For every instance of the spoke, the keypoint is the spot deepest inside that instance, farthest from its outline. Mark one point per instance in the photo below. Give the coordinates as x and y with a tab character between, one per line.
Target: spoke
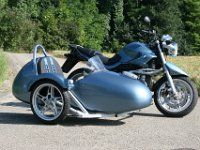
163	102
51	91
55	110
58	101
41	97
43	110
179	106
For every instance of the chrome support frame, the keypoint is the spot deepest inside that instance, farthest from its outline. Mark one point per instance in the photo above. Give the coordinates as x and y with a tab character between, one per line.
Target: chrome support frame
169	78
77	102
35	55
83	113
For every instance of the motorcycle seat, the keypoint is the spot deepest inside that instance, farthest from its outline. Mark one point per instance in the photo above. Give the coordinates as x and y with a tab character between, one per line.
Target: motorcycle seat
91	53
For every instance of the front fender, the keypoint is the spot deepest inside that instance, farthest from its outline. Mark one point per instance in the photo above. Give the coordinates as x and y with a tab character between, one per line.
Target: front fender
58	78
174	70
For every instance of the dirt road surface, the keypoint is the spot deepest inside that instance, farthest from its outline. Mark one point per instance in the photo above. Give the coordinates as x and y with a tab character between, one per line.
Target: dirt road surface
145	129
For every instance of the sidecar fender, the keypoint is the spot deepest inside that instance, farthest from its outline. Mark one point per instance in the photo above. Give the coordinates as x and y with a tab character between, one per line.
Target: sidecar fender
24	83
174	70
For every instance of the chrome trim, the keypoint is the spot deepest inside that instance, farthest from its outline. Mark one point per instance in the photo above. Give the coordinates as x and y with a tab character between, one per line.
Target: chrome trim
35	55
75	99
147	71
165	69
166	37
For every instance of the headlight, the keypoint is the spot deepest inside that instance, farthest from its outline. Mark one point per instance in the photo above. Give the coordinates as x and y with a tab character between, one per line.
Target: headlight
167	43
166	38
172	49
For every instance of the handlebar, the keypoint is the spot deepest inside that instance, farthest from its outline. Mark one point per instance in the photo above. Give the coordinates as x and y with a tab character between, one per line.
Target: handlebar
152	36
153	32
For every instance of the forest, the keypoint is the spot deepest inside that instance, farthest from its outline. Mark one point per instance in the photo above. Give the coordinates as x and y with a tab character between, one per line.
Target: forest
105	25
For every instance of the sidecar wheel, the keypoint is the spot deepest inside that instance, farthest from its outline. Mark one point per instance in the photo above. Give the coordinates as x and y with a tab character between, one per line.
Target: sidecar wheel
180	105
48	102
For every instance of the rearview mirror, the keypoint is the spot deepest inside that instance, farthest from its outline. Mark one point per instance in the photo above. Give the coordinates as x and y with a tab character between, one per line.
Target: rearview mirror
147	19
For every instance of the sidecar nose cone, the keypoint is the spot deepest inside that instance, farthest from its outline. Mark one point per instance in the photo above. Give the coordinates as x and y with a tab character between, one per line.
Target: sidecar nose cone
112	93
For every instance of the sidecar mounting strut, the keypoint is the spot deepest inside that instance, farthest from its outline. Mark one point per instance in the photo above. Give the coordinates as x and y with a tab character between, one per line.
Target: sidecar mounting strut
83	113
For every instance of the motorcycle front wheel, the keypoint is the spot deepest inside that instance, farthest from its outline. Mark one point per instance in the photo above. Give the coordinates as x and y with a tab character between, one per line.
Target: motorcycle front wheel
177	105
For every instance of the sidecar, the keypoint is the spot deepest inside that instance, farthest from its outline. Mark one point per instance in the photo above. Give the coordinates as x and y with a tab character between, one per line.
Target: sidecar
52	97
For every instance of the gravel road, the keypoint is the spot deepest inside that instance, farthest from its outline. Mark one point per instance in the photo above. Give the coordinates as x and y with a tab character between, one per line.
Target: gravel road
145	129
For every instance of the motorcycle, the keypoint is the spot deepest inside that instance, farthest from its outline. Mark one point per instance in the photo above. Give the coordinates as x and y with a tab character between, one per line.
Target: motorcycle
101	93
175	95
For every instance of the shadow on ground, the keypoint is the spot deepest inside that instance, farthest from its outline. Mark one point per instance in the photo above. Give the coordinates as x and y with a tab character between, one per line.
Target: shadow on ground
29	119
18	118
92	121
15	104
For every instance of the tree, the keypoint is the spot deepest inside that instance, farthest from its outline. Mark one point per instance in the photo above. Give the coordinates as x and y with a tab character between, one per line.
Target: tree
17	30
113	9
73	22
165	18
191	20
98	24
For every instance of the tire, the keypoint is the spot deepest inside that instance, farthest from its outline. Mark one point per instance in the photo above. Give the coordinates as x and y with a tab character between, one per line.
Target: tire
40	98
79	73
188	103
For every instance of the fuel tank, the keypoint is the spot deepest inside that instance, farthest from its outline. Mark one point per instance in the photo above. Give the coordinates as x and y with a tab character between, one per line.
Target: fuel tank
136	53
110	92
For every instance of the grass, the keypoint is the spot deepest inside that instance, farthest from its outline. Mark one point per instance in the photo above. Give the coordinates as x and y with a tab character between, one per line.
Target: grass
59	53
3	67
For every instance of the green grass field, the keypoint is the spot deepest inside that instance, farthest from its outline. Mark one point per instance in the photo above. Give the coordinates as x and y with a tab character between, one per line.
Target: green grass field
3	67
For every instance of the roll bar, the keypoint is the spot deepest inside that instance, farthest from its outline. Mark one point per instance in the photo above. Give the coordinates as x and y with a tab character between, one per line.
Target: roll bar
35	55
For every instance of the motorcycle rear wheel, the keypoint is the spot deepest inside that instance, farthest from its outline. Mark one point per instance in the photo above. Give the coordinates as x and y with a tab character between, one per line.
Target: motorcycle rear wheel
175	106
79	74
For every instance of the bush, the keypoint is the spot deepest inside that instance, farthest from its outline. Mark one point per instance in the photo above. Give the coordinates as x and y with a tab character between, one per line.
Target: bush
17	31
3	67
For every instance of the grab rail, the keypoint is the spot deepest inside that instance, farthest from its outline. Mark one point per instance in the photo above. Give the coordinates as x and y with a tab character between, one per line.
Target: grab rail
35	55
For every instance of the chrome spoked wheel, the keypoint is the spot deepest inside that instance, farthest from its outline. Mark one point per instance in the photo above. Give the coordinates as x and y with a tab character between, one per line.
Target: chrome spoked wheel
176	105
47	102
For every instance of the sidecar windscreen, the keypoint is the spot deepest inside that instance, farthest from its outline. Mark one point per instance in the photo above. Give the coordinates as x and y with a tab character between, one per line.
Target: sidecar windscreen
96	64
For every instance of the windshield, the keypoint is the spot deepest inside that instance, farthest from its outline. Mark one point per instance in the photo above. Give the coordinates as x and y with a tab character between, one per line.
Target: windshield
96	64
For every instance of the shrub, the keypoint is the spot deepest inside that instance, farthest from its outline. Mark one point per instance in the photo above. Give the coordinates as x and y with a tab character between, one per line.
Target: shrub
3	67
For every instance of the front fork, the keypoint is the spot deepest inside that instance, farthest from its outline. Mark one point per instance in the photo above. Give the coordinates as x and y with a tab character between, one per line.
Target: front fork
169	78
